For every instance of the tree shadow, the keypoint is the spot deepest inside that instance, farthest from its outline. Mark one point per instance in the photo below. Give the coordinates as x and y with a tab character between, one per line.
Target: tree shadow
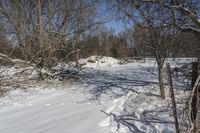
116	84
119	83
147	119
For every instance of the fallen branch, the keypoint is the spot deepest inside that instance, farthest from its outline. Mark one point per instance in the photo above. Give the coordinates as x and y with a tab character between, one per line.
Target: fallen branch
17	62
124	121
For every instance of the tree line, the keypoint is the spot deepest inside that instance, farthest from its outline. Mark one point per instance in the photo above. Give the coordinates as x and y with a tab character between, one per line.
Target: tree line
29	26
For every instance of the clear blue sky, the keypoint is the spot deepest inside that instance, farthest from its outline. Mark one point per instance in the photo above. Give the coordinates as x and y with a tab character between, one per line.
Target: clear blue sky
116	25
108	14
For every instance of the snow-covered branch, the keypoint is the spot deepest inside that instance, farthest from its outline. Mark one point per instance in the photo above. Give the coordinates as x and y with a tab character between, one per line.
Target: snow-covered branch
190	28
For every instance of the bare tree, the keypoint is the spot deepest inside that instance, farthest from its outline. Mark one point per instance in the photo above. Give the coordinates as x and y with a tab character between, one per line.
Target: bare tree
39	25
153	30
185	13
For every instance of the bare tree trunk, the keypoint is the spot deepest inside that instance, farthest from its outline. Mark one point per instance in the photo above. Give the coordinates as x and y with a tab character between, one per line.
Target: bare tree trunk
78	31
194	98
49	15
193	103
161	85
194	73
40	25
77	58
173	98
79	22
49	22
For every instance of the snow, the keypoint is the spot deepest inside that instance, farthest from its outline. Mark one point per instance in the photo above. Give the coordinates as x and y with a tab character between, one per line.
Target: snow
59	111
148	112
105	122
110	93
99	61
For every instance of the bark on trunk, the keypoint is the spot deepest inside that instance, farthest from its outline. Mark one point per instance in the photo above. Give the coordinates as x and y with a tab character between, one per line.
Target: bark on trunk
77	59
194	97
40	36
161	85
173	99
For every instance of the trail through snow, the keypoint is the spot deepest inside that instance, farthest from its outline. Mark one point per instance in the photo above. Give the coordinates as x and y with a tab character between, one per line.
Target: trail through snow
63	111
74	109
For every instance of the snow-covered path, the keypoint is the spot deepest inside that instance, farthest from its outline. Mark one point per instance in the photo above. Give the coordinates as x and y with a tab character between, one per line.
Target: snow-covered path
64	111
72	110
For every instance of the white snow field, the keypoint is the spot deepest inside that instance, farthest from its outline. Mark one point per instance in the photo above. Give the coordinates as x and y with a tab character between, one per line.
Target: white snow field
60	111
91	105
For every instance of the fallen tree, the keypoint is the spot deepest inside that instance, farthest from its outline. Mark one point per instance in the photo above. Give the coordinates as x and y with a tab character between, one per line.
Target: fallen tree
42	63
14	62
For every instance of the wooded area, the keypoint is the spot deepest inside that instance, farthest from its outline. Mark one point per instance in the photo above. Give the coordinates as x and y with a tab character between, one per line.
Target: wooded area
44	33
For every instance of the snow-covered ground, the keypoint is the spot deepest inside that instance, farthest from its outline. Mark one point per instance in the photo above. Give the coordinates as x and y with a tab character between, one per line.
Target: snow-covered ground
63	111
102	103
98	61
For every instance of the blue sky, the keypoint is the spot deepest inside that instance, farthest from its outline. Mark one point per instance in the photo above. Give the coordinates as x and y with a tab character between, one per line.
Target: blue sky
116	25
107	14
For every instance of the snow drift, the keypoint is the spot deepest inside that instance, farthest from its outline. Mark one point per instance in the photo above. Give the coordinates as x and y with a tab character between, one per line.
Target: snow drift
98	61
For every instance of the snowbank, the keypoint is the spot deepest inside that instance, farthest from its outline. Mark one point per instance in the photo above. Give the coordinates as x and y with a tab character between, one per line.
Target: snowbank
98	61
